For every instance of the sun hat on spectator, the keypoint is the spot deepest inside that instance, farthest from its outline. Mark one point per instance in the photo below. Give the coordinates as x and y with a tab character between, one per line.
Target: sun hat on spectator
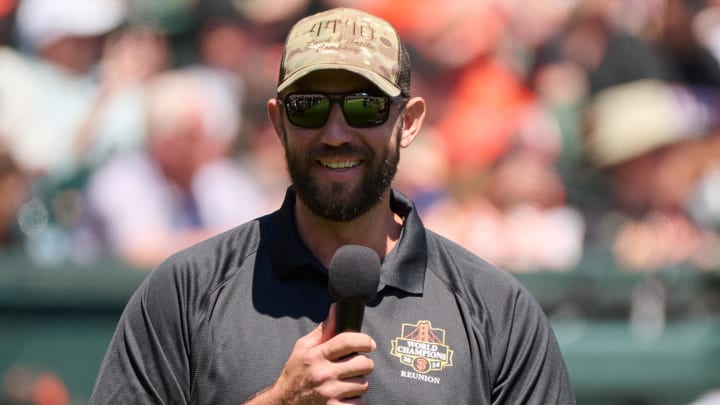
40	22
629	120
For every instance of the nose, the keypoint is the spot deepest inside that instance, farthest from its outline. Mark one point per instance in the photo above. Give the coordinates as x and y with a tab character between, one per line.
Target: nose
336	131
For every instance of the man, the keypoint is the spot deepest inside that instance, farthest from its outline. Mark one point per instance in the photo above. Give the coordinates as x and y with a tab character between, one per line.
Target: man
188	177
239	317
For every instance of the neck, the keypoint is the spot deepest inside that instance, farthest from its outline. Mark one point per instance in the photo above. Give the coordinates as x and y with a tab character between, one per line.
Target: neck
378	229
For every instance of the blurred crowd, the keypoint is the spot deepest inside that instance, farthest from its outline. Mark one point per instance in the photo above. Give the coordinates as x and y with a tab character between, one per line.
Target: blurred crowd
131	129
557	130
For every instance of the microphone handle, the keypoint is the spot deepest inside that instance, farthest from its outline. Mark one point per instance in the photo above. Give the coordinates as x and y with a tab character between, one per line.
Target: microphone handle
349	316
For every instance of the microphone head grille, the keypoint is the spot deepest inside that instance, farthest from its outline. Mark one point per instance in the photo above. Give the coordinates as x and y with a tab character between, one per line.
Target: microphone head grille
354	274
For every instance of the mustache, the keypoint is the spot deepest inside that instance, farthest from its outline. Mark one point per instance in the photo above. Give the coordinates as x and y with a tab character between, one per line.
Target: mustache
326	151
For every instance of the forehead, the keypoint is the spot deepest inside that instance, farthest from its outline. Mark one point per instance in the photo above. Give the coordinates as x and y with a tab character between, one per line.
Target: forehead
332	81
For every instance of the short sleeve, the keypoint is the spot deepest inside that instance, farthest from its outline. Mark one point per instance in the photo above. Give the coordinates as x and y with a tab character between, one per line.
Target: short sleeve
147	361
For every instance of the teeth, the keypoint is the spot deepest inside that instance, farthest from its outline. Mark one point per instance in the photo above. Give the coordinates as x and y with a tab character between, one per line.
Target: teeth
340	165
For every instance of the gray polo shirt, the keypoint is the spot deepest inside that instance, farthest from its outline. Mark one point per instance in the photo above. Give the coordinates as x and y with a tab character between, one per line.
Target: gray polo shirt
214	324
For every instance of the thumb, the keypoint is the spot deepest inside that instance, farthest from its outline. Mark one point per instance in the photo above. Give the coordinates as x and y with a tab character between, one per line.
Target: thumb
322	333
328	325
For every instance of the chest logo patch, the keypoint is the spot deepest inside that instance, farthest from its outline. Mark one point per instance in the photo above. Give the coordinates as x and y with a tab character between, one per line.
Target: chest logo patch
422	347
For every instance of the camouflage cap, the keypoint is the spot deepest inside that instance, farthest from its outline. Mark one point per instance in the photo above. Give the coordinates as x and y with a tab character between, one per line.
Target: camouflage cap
348	39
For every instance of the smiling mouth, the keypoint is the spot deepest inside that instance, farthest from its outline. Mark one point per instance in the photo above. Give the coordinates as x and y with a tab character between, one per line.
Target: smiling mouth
341	165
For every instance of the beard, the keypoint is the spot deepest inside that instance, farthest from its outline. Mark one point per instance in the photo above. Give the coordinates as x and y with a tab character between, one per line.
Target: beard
342	202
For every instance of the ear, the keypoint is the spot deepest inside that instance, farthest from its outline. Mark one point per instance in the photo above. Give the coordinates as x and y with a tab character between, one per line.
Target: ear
274	112
413	117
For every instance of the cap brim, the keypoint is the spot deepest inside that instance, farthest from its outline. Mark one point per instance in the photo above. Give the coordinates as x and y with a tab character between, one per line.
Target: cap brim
383	84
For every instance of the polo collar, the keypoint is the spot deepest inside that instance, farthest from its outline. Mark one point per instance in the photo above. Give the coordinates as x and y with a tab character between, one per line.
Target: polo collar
289	252
403	268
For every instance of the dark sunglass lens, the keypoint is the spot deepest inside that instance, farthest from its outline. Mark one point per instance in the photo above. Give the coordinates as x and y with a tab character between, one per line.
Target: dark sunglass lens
307	110
363	110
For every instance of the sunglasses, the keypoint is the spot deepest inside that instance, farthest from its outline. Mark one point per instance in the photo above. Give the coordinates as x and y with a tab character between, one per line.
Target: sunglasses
360	109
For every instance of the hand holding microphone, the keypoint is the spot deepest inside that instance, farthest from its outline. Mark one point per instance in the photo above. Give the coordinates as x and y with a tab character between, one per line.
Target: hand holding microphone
322	366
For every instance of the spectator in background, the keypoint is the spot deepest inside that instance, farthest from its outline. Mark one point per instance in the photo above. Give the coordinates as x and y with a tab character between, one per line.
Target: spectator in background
514	211
639	84
244	39
648	129
131	56
52	79
661	175
72	95
226	44
242	43
185	185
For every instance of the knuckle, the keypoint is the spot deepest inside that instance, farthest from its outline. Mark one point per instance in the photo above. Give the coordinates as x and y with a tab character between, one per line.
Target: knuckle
319	376
370	364
364	362
344	339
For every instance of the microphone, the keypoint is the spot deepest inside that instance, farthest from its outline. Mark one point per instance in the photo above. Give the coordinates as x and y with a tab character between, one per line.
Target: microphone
353	280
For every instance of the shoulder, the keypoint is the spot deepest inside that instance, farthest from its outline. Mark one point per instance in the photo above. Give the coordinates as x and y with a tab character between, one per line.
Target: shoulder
450	260
217	258
482	285
191	277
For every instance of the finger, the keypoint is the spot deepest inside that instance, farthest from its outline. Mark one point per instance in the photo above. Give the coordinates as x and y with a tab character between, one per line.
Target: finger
322	333
353	366
355	387
312	339
329	323
347	343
